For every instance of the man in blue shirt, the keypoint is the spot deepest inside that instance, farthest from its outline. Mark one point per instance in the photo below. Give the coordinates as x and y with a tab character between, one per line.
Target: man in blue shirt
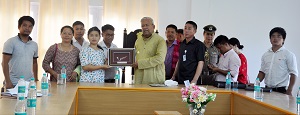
172	50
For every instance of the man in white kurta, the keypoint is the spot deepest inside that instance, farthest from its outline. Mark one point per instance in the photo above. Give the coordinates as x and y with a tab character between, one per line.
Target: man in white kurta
151	51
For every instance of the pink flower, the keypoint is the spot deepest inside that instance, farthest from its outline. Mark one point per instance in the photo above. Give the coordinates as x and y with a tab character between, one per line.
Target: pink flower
195	87
184	91
195	93
191	100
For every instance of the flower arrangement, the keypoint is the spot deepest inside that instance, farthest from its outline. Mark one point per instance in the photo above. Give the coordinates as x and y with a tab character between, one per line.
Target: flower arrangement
197	97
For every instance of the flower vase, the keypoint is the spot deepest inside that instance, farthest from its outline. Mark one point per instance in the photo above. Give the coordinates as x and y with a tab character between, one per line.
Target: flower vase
199	111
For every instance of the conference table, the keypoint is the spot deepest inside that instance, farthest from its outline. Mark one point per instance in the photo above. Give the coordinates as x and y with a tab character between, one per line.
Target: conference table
108	98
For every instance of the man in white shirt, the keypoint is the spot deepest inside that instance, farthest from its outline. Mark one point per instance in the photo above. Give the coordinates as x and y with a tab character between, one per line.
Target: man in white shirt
278	65
229	61
108	36
78	40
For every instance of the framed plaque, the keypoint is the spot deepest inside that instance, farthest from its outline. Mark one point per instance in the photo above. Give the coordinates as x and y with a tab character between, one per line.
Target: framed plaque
121	56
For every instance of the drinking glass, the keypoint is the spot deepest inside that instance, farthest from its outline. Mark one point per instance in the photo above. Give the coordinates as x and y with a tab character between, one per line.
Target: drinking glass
60	79
235	85
260	95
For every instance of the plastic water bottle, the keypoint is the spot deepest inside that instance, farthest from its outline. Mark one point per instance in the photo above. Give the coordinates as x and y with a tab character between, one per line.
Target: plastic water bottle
44	85
257	91
32	83
20	108
228	81
117	76
31	100
21	88
63	74
298	102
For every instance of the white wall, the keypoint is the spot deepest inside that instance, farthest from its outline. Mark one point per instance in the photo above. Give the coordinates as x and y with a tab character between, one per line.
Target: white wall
248	20
175	12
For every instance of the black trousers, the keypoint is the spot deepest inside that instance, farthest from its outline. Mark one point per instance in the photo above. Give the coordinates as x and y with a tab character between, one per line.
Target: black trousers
168	77
278	89
206	79
109	80
220	84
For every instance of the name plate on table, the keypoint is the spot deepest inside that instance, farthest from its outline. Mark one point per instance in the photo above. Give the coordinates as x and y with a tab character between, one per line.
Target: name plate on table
121	56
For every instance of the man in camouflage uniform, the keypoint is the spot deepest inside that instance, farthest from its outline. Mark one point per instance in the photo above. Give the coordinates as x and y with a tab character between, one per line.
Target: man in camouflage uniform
211	56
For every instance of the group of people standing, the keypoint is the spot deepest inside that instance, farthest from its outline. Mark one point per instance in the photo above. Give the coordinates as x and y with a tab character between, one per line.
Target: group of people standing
85	61
208	62
186	58
180	57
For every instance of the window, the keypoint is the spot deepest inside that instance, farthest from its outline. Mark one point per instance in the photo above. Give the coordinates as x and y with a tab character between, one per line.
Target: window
34	8
95	16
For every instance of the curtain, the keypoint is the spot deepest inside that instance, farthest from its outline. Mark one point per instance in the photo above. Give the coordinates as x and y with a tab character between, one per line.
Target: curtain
127	14
10	12
53	15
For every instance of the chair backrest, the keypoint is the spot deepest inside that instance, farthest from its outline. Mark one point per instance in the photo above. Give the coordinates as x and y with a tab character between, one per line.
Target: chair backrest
128	42
129	39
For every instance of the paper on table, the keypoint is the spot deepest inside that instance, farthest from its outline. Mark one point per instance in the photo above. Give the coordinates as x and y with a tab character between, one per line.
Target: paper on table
157	85
14	91
171	83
